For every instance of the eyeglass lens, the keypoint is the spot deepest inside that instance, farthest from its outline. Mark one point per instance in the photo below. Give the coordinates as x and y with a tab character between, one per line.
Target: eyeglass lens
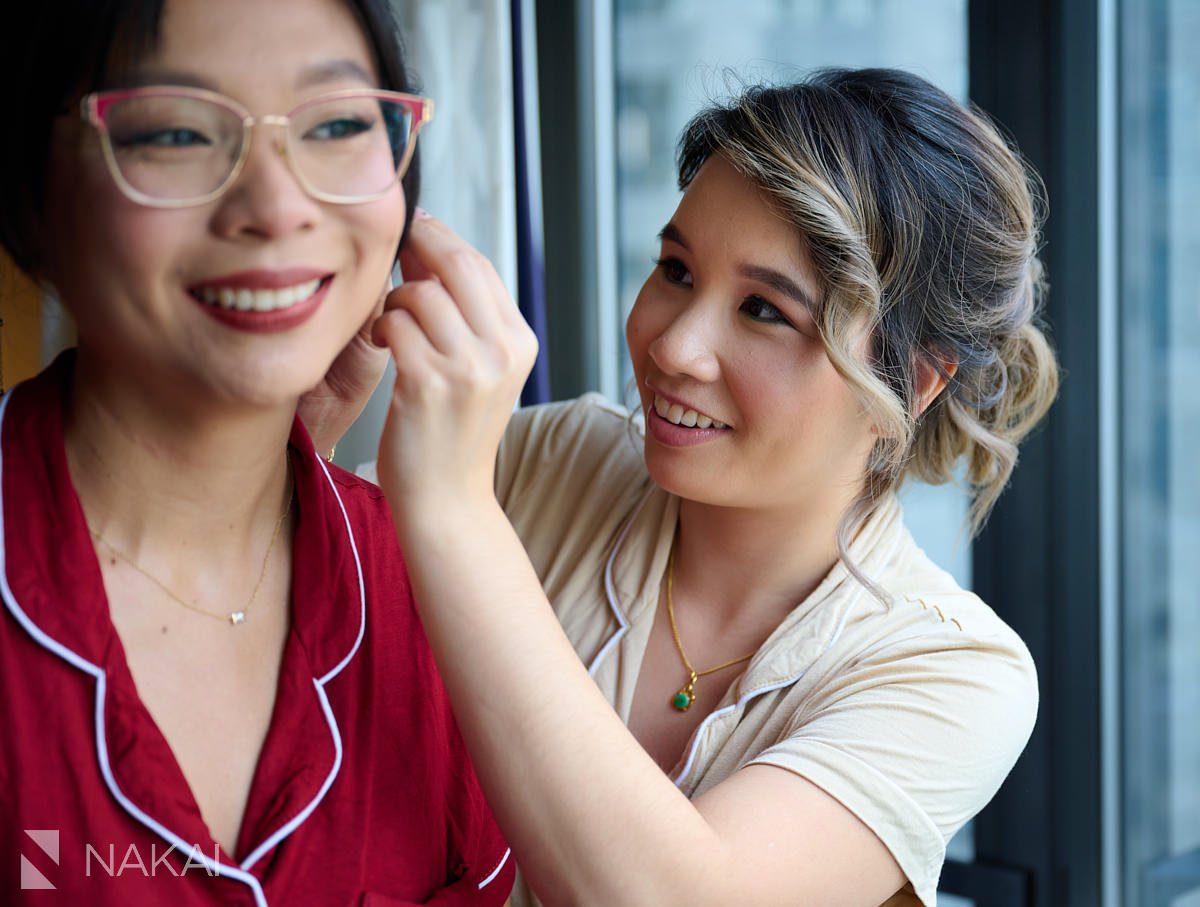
178	147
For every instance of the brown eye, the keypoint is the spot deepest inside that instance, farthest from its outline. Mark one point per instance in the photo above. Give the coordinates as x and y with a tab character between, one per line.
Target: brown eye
761	310
674	271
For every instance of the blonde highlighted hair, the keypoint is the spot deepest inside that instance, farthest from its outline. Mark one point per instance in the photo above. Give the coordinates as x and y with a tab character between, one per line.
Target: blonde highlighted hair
923	224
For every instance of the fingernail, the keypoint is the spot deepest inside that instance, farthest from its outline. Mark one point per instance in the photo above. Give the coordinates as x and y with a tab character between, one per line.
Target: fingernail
420	213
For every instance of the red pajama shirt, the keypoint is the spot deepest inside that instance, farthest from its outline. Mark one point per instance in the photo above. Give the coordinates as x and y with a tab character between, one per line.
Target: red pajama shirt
363	793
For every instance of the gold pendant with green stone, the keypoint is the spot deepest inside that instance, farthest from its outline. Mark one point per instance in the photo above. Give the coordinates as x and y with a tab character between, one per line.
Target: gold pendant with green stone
682	700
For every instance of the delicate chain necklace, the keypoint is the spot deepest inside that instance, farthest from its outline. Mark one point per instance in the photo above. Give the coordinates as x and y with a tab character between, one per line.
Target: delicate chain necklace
233	617
682	700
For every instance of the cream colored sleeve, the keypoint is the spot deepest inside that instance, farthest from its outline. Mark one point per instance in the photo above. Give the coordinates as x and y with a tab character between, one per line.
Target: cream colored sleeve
548	450
564	473
916	738
522	448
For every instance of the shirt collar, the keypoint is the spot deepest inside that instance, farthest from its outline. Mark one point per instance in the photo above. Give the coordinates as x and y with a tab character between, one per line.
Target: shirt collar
52	571
639	560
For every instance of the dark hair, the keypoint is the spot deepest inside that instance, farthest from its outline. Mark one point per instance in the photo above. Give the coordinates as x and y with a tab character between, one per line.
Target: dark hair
52	52
923	223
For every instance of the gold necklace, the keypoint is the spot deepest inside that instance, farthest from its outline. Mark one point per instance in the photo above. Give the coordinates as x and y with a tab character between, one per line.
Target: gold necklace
233	617
682	700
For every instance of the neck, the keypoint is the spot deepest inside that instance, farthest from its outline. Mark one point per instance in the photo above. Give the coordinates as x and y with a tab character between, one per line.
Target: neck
754	565
151	465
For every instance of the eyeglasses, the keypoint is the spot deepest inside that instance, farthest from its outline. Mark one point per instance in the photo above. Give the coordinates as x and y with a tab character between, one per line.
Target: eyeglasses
176	147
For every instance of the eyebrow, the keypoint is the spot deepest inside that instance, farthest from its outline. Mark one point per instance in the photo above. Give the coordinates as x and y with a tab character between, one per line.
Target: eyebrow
780	283
777	280
317	74
673	234
152	76
332	71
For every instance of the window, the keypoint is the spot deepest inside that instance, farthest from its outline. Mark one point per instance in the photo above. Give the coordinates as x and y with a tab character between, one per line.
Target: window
1158	321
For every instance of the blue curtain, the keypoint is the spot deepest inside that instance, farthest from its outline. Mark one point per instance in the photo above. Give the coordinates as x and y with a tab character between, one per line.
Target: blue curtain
531	283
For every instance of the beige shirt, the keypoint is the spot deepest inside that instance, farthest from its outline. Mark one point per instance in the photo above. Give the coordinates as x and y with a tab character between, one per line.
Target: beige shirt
910	715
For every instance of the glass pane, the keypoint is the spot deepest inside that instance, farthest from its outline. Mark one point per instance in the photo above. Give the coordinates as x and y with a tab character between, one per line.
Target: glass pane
1159	331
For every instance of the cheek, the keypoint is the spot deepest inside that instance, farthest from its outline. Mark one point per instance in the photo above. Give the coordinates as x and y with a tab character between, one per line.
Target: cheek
801	402
374	230
376	227
645	322
105	246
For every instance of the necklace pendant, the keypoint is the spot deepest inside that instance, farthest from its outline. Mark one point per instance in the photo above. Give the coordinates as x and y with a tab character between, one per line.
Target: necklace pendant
237	617
682	701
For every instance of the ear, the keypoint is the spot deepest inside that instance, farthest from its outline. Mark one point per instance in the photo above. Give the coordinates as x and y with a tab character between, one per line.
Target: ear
934	370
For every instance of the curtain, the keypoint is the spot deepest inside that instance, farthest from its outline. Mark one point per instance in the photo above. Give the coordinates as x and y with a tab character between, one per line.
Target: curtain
473	160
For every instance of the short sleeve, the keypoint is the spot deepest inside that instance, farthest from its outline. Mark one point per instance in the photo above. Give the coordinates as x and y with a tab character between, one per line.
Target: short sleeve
546	445
916	738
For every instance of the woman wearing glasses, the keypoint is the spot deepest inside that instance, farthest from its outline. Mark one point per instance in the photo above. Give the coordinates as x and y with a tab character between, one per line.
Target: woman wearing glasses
215	687
743	683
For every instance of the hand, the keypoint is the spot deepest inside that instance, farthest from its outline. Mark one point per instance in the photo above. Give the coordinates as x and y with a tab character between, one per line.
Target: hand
330	408
462	354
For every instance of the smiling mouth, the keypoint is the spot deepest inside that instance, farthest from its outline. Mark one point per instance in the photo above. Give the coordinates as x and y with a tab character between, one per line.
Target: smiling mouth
259	299
679	415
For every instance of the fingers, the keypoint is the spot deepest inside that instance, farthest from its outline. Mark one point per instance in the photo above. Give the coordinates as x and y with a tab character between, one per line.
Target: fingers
411	350
435	312
433	250
412	268
453	313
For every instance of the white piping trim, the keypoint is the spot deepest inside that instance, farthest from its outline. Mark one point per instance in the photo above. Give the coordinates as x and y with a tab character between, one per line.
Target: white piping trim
216	868
319	684
495	872
733	707
297	820
77	661
362	593
610	590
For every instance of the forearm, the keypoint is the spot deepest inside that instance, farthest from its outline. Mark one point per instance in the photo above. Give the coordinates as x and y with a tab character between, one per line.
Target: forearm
591	818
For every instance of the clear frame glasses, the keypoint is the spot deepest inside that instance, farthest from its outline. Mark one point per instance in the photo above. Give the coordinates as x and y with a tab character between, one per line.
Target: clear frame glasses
176	147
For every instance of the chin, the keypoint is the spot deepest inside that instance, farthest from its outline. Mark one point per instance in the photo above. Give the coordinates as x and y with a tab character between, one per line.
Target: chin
687	481
267	386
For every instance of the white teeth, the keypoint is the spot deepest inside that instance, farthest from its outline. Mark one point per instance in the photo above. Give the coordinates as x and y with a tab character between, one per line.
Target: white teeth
260	300
688	418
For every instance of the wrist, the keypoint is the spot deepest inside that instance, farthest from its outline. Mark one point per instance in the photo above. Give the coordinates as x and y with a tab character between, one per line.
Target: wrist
434	511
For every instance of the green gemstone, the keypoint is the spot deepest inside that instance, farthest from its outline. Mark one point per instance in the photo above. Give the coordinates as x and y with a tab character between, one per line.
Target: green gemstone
682	701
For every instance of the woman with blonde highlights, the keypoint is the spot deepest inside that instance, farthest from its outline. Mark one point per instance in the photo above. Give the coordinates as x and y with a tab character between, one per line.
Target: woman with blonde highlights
713	667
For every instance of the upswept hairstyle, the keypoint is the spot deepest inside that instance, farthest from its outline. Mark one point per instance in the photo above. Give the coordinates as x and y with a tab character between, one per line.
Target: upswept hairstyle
923	224
52	52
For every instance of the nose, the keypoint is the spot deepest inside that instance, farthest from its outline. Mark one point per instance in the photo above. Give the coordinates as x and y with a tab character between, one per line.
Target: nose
266	200
687	345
